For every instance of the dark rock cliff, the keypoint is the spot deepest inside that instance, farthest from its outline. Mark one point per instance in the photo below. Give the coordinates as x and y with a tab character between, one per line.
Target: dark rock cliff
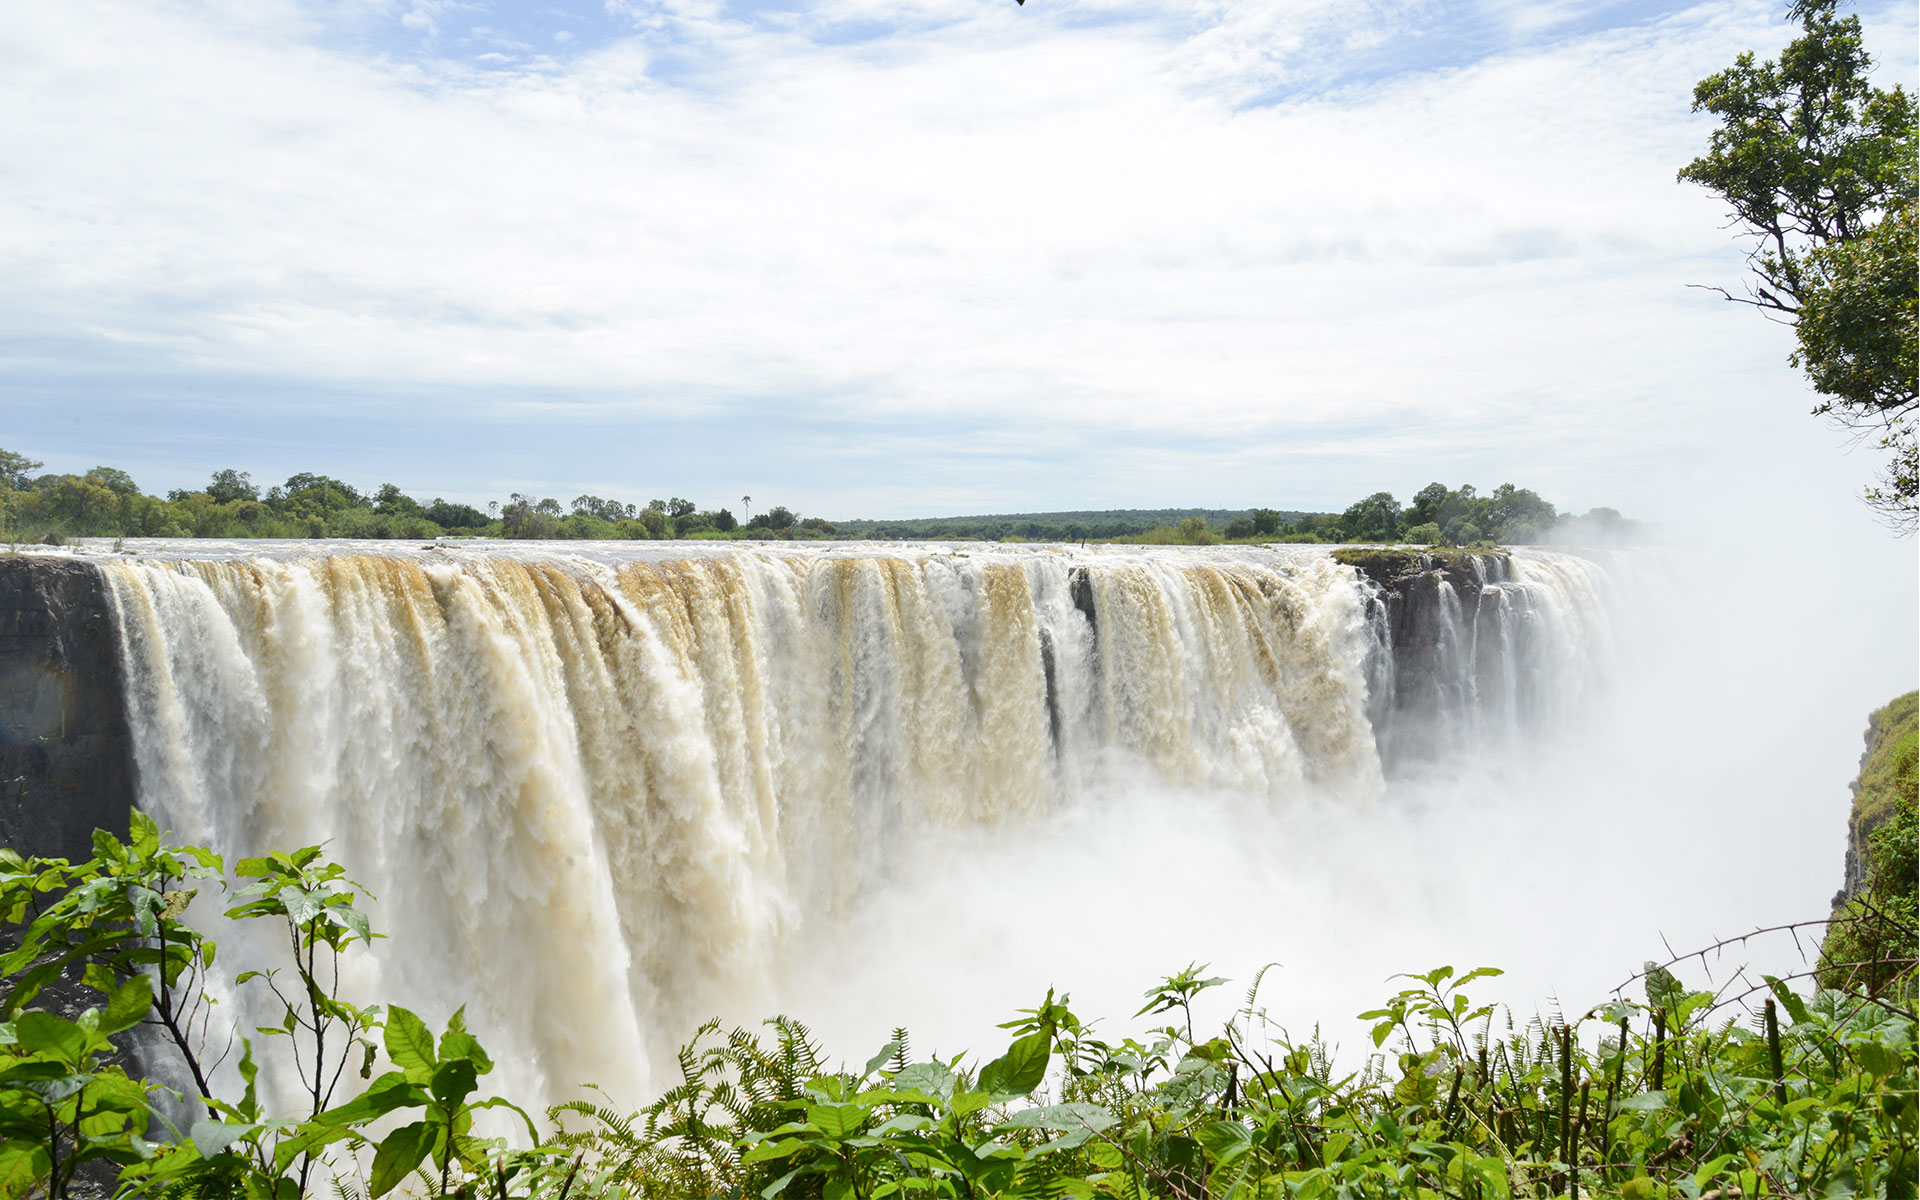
1428	619
66	757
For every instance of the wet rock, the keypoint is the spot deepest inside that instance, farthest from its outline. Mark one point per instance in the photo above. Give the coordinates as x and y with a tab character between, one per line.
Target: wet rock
66	756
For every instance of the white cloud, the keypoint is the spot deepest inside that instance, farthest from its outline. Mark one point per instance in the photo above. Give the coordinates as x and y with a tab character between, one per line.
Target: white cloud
1042	217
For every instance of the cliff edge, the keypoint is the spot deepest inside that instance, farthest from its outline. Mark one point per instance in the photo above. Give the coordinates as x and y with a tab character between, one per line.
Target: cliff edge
66	756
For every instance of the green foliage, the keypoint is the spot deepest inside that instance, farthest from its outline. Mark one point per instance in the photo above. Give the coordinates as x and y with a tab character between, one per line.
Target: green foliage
1876	925
117	926
1817	166
778	517
105	503
16	469
1684	1107
1374	519
1662	1100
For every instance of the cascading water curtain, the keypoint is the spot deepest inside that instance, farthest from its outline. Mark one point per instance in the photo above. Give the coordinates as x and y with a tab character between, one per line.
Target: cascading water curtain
594	798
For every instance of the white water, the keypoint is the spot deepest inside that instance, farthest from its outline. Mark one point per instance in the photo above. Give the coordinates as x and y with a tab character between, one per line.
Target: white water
603	796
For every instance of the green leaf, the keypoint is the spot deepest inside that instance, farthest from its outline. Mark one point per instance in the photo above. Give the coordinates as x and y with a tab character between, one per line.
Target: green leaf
310	1138
398	1155
1020	1069
1876	1059
932	1078
44	1033
302	904
352	920
453	1082
784	1148
1709	1169
213	1137
1225	1140
837	1121
1795	1006
389	1092
1064	1117
128	1005
456	1042
1334	1147
409	1045
881	1059
22	1167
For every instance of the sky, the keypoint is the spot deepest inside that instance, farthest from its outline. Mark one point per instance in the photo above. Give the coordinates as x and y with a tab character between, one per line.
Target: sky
895	259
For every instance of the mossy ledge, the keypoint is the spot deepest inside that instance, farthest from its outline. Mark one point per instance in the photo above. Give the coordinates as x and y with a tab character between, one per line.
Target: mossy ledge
1381	561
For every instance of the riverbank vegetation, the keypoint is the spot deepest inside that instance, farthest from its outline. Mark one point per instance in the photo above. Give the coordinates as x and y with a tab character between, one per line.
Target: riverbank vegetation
106	502
1756	1088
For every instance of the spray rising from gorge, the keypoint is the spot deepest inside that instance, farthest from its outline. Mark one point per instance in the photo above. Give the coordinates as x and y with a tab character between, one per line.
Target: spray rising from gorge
600	797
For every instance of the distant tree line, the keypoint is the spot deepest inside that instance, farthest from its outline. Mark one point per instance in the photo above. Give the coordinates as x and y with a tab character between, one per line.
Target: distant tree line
106	502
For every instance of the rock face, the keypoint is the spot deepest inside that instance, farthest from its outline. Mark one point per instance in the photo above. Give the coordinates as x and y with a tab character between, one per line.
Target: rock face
1886	780
66	757
1433	624
1429	596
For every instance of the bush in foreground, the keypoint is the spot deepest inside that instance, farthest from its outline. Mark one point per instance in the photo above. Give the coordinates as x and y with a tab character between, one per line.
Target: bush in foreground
1690	1094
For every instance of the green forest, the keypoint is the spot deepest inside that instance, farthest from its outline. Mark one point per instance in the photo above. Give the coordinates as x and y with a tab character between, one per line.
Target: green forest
106	502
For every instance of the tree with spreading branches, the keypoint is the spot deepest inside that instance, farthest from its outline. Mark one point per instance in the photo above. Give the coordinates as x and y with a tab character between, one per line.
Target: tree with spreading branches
1817	166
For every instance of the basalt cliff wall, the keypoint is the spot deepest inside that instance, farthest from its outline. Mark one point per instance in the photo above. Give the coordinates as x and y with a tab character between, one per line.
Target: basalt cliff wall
66	756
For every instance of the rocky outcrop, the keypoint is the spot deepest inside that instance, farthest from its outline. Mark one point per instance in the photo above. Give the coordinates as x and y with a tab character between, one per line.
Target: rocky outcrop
1429	622
66	756
1429	596
1886	782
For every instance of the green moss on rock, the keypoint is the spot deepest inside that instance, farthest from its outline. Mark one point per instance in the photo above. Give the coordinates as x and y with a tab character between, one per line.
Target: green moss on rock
1396	560
1873	945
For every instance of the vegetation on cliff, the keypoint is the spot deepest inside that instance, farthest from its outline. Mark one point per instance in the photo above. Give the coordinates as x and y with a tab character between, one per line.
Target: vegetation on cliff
1399	560
1750	1091
1872	943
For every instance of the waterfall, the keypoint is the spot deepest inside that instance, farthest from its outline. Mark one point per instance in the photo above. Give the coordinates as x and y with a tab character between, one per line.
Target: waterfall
597	793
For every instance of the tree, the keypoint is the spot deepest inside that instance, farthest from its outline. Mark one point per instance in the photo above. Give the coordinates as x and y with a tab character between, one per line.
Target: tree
654	521
1266	522
724	521
677	507
1817	166
1426	504
449	515
230	485
1518	514
308	494
114	480
1378	516
16	469
393	502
